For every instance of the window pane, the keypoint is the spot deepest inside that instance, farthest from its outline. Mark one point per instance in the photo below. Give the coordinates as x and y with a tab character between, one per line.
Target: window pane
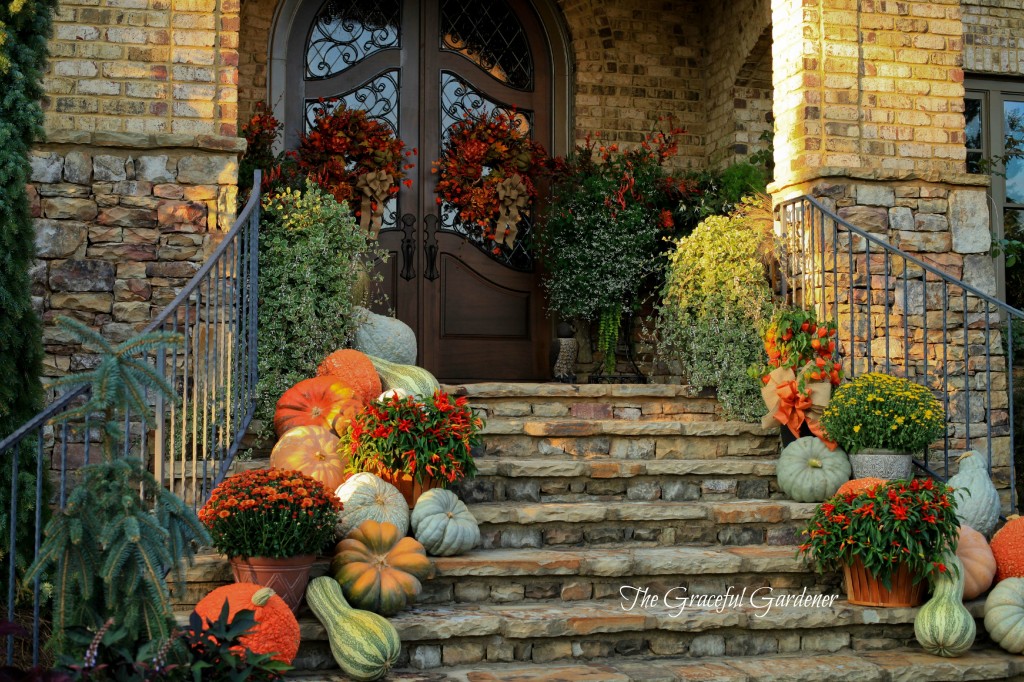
347	31
974	162
1013	132
489	35
973	130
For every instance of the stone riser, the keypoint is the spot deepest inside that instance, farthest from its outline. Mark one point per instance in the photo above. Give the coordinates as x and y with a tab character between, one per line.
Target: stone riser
635	447
640	533
427	655
678	410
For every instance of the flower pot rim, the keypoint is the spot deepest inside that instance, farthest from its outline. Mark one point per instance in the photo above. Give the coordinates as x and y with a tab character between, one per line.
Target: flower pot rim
881	451
311	557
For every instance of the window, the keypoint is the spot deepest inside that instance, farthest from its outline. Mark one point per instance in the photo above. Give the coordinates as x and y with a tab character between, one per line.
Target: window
994	118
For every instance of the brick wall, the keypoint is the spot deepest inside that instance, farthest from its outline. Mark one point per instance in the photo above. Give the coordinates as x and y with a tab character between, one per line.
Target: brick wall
144	66
993	30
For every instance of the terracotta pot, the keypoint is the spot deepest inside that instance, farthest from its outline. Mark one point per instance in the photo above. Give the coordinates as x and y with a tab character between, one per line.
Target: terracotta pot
864	589
409	488
288	577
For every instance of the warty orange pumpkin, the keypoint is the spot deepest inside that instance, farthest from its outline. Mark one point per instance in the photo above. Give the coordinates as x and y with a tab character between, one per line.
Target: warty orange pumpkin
1008	548
353	369
276	631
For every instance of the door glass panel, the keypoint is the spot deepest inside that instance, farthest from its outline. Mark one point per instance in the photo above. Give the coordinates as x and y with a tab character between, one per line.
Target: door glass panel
973	133
1013	132
489	35
378	97
345	32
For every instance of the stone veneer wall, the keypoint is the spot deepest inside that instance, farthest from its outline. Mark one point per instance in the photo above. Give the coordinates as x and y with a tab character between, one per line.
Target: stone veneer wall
122	223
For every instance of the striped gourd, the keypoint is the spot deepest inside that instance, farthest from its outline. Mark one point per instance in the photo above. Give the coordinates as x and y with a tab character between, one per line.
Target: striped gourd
943	626
364	645
416	380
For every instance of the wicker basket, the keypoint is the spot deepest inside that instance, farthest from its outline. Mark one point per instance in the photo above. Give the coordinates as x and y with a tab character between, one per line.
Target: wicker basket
864	589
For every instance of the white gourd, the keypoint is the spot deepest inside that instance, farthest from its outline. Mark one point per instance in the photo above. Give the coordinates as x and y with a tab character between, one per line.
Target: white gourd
385	337
977	499
366	496
944	626
1004	615
808	471
443	524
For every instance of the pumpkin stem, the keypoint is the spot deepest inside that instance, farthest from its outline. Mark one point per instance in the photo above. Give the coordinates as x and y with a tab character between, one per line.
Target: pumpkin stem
969	453
814	463
262	596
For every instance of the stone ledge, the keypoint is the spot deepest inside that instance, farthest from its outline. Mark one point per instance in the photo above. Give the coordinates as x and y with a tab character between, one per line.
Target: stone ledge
738	511
213	143
830	172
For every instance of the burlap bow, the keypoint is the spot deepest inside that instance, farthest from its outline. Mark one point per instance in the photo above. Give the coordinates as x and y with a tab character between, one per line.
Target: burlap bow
791	407
514	197
375	187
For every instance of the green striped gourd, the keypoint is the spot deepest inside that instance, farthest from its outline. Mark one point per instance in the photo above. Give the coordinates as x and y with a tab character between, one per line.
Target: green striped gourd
416	380
364	645
944	626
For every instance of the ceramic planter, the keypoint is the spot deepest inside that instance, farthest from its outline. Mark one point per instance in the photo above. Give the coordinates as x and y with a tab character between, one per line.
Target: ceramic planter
288	577
880	463
410	488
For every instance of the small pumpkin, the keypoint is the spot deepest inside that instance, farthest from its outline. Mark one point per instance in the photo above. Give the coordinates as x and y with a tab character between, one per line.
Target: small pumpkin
320	401
443	523
276	631
313	450
365	645
367	496
353	369
378	569
943	626
979	563
1008	549
1004	615
860	485
808	471
977	500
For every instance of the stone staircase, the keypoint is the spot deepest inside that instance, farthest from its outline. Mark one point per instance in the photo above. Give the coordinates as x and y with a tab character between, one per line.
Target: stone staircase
595	500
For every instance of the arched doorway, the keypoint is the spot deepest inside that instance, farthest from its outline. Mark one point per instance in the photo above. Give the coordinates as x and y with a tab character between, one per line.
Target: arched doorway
420	66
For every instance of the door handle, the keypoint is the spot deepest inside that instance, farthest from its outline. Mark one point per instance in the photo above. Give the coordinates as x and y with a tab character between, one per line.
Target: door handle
430	247
408	247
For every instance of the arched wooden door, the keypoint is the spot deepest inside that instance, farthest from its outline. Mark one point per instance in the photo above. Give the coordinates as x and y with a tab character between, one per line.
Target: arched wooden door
420	66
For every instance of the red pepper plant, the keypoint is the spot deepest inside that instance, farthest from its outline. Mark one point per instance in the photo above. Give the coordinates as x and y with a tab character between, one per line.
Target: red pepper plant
794	338
898	522
271	513
423	438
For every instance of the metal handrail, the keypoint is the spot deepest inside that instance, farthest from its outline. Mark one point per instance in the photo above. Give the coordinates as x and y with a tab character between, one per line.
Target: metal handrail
813	261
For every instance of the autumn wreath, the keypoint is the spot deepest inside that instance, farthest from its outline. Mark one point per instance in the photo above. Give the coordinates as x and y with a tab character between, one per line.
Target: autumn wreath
486	172
355	158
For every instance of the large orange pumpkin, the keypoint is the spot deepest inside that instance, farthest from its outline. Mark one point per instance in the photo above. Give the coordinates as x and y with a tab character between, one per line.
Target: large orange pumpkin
276	631
313	450
1008	548
979	564
379	570
353	369
859	485
321	401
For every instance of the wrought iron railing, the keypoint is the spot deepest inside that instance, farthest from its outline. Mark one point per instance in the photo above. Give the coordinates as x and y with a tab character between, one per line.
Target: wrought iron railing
188	444
901	315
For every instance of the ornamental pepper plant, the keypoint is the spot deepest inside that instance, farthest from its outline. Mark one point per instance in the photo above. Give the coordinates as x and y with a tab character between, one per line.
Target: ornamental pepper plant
797	340
898	522
270	513
428	439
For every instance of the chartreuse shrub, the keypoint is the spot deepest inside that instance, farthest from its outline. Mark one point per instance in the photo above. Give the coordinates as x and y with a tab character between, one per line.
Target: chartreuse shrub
311	254
716	297
24	29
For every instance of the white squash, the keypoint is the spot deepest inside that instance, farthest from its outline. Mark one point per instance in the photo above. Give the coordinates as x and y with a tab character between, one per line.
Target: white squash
443	524
977	500
1004	615
365	496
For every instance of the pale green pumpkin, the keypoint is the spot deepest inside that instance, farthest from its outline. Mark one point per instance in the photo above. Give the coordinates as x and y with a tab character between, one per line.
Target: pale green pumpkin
443	524
977	500
1004	615
366	496
808	471
415	380
944	626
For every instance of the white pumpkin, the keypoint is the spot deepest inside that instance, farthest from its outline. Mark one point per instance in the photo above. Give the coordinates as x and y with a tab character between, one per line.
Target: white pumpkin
808	471
443	524
399	393
977	500
1004	615
385	337
365	496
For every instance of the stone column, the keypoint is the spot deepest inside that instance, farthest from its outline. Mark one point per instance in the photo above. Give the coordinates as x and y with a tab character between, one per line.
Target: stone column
869	120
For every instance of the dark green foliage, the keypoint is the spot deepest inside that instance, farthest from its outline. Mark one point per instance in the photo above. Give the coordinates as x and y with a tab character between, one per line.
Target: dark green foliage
717	192
24	29
108	551
210	647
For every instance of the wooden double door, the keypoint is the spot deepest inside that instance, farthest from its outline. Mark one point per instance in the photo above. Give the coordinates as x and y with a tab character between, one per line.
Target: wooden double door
421	66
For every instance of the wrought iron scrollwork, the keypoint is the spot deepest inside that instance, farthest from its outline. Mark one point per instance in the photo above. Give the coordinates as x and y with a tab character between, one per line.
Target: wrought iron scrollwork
408	247
490	35
345	32
378	97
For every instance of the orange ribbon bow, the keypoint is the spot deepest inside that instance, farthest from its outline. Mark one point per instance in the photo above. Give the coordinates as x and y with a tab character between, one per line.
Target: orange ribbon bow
788	406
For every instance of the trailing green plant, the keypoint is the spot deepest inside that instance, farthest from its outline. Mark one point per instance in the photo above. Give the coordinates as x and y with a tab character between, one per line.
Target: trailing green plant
719	192
311	255
120	532
24	30
715	298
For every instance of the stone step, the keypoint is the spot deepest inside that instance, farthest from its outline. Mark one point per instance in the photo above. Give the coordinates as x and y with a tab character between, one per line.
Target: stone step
547	632
740	522
619	439
567	480
893	665
517	575
651	402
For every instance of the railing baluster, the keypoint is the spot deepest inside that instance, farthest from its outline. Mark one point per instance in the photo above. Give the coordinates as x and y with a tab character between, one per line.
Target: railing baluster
967	379
888	354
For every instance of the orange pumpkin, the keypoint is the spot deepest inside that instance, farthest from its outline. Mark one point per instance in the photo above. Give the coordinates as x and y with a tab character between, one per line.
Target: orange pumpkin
313	450
276	631
321	401
379	570
859	485
353	369
1008	548
978	561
